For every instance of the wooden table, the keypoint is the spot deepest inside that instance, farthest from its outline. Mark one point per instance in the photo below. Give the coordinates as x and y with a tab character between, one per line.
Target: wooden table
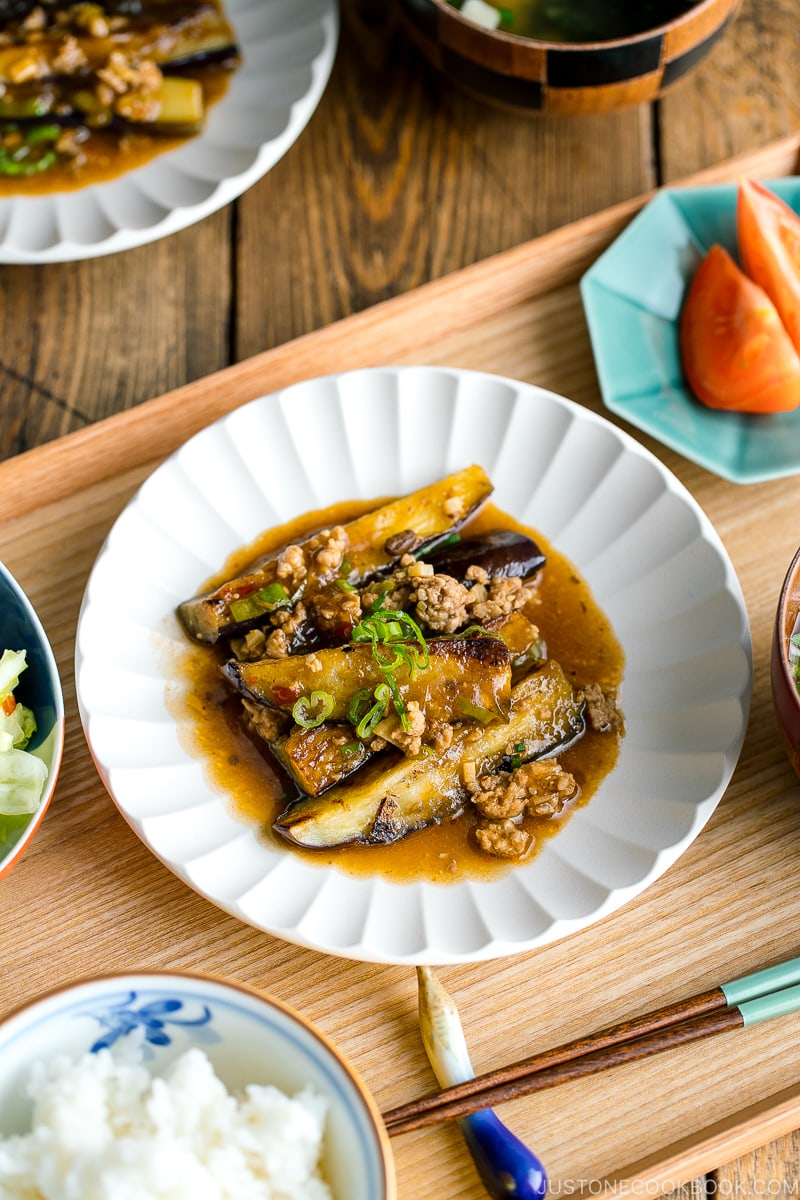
397	180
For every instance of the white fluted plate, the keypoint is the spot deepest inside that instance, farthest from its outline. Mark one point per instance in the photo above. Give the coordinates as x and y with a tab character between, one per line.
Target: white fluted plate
288	48
654	563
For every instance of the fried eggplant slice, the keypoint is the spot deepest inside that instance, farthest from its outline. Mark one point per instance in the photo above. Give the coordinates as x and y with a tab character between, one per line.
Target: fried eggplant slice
319	758
171	41
501	553
243	603
520	634
383	804
465	678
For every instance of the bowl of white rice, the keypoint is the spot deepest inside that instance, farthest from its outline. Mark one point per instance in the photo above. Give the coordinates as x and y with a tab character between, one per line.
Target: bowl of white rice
174	1086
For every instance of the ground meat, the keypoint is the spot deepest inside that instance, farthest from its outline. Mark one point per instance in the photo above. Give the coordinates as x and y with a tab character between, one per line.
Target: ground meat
440	735
503	839
601	709
276	645
321	557
287	622
541	789
498	598
408	740
250	647
396	595
291	566
441	602
330	554
476	574
332	609
268	723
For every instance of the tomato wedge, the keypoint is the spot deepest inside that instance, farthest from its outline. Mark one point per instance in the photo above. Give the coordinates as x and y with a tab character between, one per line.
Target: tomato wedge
769	247
735	350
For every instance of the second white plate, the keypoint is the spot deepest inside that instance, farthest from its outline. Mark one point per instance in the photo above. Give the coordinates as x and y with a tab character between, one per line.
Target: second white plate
288	48
650	555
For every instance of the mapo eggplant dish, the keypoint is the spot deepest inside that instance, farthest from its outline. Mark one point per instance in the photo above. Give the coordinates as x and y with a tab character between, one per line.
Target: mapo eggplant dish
88	90
397	670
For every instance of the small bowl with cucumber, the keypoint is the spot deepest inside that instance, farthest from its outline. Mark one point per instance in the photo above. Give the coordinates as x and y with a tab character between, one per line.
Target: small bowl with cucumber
31	721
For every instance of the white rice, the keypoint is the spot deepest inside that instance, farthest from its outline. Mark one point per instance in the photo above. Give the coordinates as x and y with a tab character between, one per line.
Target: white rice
105	1129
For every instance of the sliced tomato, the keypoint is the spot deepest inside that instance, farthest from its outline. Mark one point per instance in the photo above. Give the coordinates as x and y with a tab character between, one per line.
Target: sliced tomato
735	350
769	247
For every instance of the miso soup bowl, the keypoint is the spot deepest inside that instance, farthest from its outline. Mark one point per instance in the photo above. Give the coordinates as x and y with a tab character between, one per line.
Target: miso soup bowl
785	696
248	1036
564	79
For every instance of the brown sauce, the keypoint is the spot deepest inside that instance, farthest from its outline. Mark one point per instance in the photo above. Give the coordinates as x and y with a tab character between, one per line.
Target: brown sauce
578	636
107	154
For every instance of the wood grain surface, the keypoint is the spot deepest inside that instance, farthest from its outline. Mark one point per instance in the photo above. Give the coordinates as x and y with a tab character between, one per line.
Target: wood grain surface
398	180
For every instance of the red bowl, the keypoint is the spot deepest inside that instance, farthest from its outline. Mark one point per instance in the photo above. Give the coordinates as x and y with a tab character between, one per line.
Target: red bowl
785	695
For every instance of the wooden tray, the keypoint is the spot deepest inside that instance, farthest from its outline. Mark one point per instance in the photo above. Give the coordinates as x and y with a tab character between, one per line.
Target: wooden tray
88	896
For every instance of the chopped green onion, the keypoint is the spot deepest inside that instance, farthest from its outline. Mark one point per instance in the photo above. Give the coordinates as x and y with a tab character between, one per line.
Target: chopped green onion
478	631
351	749
41	133
344	586
367	724
519	747
359	705
387	628
311	711
257	604
35	153
484	715
397	699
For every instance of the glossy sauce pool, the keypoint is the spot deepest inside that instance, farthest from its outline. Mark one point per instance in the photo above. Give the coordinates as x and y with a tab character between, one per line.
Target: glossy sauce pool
577	634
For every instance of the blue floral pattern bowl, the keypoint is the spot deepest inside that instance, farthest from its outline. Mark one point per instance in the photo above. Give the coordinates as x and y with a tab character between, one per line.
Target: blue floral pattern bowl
40	689
250	1038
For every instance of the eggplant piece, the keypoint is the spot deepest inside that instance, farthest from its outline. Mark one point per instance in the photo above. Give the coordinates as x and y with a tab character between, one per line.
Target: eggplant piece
466	678
501	553
518	632
178	109
429	512
168	43
317	759
383	804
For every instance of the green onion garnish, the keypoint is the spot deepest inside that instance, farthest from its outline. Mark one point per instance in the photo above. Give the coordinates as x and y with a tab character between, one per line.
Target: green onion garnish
359	705
257	604
476	711
311	711
374	716
351	748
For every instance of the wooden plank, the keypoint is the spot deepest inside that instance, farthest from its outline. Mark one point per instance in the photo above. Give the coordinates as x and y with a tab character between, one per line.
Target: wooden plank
387	332
746	93
84	340
109	903
435	180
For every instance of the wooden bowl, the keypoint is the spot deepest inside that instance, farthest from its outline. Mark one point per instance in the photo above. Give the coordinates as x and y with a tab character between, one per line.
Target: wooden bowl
785	696
563	79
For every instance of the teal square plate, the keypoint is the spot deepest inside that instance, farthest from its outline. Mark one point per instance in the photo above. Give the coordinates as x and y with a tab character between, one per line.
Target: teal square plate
632	297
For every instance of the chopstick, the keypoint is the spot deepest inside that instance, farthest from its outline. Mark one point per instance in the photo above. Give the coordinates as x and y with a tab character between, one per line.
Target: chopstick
747	1000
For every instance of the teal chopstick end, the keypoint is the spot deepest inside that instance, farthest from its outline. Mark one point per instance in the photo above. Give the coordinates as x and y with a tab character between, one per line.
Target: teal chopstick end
748	987
776	1004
